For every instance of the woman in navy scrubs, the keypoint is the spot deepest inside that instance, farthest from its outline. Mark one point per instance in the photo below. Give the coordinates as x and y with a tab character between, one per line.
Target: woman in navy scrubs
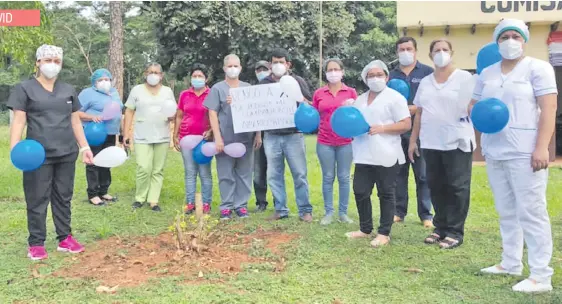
50	109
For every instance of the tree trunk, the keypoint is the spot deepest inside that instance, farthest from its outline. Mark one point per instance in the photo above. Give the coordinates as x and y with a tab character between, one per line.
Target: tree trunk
116	44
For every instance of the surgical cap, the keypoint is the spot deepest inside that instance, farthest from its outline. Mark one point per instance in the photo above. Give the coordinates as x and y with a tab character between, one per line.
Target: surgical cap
99	73
48	51
511	25
371	65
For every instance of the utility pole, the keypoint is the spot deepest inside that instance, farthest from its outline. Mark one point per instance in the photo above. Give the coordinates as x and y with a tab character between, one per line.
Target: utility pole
320	40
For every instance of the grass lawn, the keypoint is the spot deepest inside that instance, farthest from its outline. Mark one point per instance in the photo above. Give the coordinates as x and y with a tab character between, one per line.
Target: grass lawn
322	266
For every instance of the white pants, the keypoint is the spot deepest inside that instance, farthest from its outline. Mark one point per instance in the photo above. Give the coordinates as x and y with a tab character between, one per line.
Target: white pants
520	198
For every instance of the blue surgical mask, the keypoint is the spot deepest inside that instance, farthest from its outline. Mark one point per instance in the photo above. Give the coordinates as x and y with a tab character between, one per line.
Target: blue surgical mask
198	83
261	75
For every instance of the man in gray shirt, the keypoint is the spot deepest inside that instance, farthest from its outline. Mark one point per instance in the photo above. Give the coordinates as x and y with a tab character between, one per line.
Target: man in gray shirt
234	174
286	144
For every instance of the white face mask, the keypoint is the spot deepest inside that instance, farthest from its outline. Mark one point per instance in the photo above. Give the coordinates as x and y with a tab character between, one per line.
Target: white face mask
441	59
232	72
153	79
103	85
406	58
50	70
376	84
334	76
511	49
279	69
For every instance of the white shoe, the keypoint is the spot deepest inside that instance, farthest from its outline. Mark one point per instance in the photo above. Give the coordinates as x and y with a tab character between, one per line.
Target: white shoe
496	269
530	286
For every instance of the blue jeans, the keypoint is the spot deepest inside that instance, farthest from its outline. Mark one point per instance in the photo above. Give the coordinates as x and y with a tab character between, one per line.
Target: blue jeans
279	148
205	175
422	189
335	159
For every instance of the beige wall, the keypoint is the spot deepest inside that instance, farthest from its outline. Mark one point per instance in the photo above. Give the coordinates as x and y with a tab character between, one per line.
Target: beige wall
461	15
441	13
467	45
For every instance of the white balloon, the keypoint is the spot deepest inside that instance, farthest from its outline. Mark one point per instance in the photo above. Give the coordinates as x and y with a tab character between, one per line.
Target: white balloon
169	108
110	157
291	87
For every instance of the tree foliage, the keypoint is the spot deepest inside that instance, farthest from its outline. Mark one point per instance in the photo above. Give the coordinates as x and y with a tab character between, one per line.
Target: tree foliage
18	44
205	32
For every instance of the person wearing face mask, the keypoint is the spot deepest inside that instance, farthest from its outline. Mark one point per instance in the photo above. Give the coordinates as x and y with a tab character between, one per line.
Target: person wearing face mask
286	144
447	142
192	118
517	157
378	154
234	174
412	72
93	100
151	134
260	161
334	152
50	109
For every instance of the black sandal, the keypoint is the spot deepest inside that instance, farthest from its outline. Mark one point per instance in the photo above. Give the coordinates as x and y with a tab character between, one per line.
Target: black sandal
113	199
449	243
101	203
432	239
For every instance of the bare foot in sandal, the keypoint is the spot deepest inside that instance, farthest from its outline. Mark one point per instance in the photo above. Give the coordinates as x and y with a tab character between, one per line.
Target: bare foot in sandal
96	201
380	240
433	238
107	197
356	235
449	243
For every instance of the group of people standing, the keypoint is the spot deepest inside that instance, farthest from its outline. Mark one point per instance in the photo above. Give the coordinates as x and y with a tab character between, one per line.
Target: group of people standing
439	147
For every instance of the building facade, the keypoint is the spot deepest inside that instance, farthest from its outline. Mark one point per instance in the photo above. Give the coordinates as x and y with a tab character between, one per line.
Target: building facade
469	25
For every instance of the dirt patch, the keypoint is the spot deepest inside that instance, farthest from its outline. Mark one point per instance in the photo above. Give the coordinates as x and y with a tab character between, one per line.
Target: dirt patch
132	262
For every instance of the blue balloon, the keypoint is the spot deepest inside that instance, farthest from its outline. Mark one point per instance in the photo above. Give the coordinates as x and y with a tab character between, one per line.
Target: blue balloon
96	133
348	122
198	155
28	155
307	118
488	55
400	86
490	115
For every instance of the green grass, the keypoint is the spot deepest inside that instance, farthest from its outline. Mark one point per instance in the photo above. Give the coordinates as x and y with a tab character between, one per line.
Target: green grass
321	267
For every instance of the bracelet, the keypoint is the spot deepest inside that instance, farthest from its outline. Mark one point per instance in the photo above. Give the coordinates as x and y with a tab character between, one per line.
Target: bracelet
86	148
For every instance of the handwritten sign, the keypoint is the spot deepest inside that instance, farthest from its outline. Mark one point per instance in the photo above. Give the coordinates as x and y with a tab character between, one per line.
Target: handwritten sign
261	107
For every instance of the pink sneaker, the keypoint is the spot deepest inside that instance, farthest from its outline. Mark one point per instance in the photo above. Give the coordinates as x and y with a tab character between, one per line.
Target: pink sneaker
206	208
70	245
37	253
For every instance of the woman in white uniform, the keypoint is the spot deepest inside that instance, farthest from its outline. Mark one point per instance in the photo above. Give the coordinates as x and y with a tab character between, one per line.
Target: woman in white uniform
378	153
447	141
517	157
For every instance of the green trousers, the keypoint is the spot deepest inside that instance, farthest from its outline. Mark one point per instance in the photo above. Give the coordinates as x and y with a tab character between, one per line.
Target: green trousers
151	159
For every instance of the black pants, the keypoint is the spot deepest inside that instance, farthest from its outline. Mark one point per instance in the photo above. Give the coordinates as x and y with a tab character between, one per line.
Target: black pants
422	190
52	182
364	179
98	178
260	176
448	176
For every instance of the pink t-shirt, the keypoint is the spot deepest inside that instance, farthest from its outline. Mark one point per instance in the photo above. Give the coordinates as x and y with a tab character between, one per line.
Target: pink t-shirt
326	104
195	119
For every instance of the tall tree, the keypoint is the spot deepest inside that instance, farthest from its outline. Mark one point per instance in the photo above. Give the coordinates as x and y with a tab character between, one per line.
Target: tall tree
85	41
205	32
373	37
116	44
